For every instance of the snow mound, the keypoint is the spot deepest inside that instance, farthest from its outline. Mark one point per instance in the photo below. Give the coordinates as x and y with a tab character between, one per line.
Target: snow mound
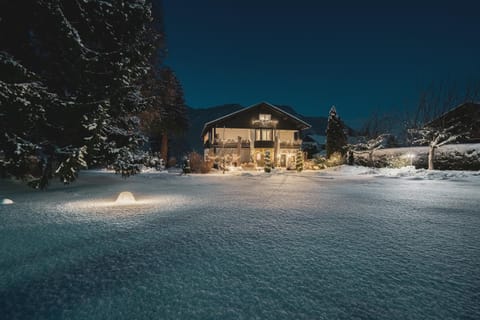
7	201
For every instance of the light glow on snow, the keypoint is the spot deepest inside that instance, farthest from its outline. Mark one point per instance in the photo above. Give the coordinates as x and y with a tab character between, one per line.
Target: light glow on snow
125	198
108	208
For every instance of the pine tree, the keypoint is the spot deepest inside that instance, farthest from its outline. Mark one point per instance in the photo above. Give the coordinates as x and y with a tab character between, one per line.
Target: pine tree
167	114
59	61
335	134
299	161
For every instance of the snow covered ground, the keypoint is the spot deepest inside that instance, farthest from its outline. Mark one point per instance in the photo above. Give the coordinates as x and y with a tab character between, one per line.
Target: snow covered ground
347	242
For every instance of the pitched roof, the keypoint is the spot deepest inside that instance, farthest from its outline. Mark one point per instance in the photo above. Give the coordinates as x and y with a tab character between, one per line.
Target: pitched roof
300	123
465	118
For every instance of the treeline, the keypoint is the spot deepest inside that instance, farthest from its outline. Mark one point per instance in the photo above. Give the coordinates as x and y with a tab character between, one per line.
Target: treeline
82	84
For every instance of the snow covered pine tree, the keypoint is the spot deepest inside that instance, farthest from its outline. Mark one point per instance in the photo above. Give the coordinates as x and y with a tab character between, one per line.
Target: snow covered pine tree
335	134
70	76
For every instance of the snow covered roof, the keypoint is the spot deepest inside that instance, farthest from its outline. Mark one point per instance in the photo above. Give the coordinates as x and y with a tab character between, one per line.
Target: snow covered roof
465	118
298	123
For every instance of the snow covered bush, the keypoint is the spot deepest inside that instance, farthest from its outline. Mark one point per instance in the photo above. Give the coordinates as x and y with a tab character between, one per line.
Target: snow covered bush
447	157
369	147
434	137
125	163
397	161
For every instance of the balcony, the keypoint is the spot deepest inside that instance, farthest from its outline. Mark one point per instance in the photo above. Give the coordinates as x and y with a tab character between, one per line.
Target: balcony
230	143
263	144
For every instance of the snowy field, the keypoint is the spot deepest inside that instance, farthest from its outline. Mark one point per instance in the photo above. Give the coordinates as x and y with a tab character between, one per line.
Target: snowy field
346	243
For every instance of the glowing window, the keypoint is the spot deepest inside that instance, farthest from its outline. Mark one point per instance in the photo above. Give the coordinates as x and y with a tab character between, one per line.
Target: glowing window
264	117
264	135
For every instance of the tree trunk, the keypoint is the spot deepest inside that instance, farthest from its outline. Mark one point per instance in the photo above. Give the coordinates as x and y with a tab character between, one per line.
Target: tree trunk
164	147
431	155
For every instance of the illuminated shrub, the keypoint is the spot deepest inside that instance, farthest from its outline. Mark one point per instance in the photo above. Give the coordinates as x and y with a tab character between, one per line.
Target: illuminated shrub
336	159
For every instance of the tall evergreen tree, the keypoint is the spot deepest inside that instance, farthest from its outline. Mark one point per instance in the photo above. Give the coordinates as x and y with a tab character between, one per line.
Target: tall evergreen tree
335	134
70	80
167	114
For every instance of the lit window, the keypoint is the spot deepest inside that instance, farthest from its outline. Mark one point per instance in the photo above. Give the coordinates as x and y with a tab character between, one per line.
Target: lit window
264	135
265	117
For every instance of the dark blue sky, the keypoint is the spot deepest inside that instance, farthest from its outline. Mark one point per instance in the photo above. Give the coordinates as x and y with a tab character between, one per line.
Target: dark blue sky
357	55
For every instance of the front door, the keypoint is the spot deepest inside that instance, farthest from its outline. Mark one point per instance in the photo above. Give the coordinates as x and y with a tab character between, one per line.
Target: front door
259	158
283	160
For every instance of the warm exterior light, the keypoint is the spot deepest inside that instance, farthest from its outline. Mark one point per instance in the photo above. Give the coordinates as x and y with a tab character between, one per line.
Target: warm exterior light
7	201
125	197
411	156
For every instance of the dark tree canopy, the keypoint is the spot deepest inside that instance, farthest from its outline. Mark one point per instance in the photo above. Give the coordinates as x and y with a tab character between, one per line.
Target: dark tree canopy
336	137
167	113
71	74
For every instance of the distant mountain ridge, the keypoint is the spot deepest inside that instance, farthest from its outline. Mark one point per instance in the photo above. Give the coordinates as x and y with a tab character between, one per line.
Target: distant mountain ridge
191	140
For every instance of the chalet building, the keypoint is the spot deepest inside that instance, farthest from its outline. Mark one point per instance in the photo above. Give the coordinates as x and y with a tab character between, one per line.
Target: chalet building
465	119
245	136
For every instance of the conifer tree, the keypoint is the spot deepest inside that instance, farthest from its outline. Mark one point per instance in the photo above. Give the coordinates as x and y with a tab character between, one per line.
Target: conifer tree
335	134
167	113
70	76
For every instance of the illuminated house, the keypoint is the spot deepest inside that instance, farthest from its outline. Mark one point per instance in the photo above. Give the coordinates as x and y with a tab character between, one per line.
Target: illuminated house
244	136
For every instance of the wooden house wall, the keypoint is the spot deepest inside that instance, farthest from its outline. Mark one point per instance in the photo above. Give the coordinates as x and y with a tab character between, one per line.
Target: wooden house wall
233	133
286	135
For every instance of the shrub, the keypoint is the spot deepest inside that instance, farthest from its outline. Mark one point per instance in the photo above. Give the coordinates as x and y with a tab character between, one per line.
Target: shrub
398	161
198	165
336	159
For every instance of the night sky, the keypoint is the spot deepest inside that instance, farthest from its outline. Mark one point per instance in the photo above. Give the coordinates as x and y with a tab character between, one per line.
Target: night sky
360	56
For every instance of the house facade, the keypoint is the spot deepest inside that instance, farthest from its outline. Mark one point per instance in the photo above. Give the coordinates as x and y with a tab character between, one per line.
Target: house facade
245	136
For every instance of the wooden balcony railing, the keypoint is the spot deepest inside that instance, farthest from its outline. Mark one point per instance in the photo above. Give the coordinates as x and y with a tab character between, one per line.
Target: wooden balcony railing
296	144
227	144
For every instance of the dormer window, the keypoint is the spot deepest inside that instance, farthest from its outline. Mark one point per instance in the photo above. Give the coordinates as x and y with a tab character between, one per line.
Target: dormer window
264	121
265	117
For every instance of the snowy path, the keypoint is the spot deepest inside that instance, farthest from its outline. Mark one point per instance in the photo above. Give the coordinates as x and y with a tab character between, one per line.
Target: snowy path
335	244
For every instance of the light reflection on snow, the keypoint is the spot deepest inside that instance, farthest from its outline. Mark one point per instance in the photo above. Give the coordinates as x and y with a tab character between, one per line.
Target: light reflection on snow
125	198
110	208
